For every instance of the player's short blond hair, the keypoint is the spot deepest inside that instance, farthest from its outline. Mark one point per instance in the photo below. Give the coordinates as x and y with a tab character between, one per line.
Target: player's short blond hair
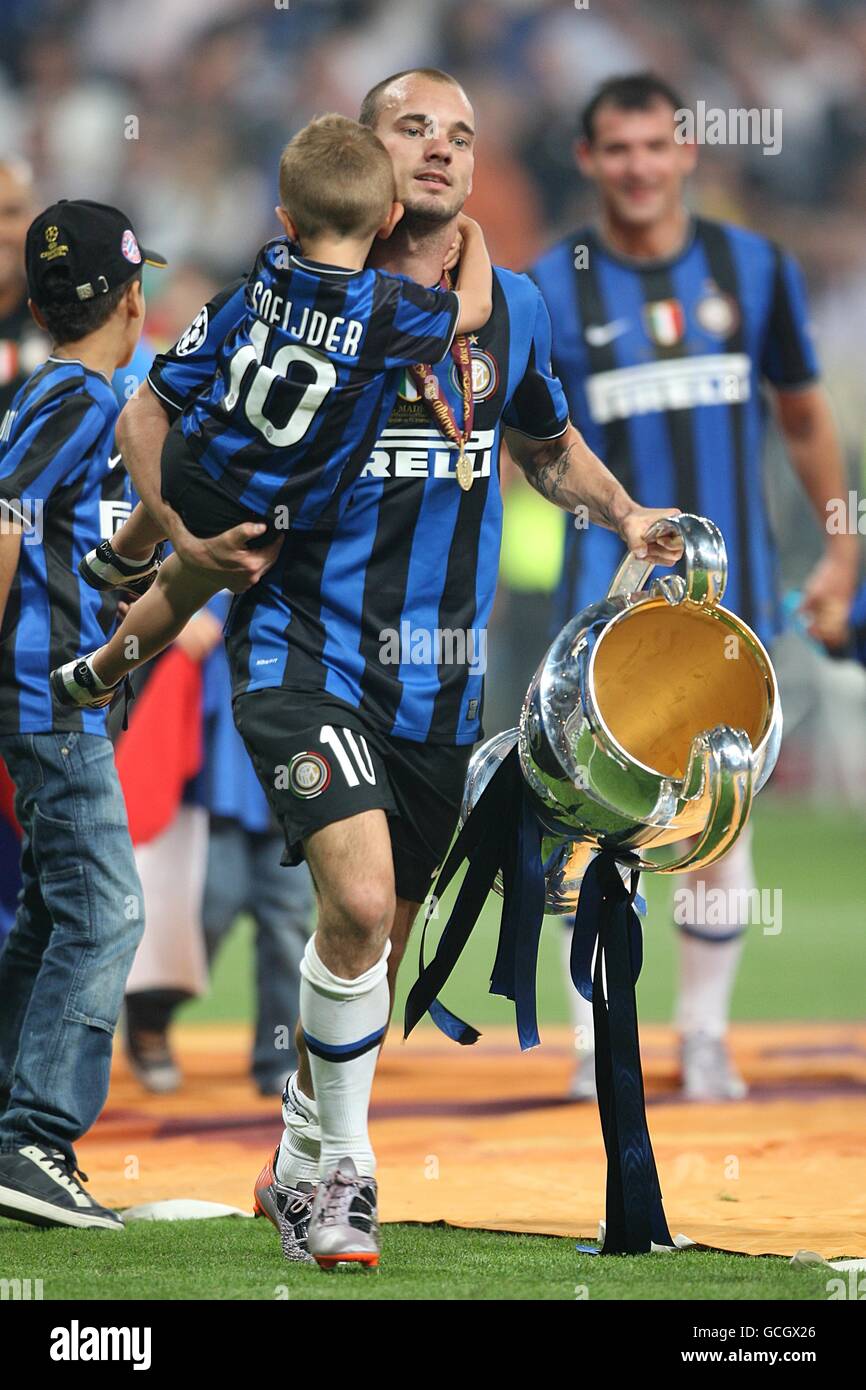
336	176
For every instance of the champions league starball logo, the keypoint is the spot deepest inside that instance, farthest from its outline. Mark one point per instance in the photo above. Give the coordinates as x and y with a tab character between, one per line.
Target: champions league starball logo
193	335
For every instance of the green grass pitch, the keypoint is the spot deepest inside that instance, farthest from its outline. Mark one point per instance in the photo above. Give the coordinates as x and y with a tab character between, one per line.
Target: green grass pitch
810	969
236	1259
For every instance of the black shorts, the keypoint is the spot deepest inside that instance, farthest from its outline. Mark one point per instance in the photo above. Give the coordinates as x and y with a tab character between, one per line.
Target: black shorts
319	761
202	505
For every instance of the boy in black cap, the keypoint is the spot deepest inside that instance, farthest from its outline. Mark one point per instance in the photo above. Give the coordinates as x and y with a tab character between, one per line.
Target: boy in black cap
79	919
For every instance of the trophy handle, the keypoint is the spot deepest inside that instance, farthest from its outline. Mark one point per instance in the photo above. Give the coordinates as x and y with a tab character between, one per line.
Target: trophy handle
706	563
721	759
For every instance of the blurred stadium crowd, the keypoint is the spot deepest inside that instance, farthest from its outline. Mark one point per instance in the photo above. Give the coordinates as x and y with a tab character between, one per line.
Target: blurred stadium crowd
221	84
184	131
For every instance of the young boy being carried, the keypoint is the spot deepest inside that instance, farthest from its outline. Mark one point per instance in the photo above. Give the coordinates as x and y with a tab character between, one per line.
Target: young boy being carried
303	388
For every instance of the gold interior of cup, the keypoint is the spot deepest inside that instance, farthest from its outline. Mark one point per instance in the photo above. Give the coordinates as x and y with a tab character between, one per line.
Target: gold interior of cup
664	674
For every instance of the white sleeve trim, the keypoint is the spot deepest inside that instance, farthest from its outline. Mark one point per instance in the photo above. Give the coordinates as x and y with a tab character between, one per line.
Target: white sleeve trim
156	391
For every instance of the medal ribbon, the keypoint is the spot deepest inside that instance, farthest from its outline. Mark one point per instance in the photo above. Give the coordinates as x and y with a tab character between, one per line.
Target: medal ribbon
427	384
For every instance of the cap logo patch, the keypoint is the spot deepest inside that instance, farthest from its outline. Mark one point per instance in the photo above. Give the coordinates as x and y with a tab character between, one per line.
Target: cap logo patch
53	245
129	247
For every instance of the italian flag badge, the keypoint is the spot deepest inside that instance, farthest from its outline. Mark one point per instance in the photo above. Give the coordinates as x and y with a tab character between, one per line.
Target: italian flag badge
665	321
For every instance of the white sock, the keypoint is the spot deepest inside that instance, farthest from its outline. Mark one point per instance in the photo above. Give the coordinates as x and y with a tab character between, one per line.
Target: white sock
708	970
344	1023
99	683
579	1008
300	1146
133	564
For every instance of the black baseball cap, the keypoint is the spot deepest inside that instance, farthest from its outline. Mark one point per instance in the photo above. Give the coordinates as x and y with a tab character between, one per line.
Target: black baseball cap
92	244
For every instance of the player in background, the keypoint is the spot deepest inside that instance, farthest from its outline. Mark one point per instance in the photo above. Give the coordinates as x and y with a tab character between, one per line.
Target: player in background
668	332
320	347
361	748
79	919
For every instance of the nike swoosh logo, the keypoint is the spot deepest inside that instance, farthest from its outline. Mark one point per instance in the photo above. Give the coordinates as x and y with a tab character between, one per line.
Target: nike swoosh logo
113	462
600	334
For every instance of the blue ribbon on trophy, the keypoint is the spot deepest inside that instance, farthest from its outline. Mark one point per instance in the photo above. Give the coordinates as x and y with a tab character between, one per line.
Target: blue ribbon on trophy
653	719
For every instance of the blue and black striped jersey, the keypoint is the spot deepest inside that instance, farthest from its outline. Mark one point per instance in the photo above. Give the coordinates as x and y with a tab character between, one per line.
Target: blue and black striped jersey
58	478
386	605
663	364
307	378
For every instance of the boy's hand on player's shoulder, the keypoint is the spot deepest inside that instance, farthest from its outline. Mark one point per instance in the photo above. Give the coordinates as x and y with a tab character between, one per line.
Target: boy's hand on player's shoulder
452	255
466	227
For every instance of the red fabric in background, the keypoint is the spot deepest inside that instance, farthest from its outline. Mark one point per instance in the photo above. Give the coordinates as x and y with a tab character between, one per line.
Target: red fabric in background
7	799
162	748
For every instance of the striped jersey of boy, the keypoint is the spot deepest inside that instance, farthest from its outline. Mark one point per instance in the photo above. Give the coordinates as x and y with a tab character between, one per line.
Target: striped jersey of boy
58	481
663	364
304	379
406	550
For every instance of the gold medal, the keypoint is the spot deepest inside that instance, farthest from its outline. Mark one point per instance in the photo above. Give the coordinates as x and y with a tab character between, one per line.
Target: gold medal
465	476
439	408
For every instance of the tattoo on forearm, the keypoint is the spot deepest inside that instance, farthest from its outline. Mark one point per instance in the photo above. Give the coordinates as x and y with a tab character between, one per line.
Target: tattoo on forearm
548	470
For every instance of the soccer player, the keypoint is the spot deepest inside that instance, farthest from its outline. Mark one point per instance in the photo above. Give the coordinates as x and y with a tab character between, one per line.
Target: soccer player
79	919
357	657
668	329
302	387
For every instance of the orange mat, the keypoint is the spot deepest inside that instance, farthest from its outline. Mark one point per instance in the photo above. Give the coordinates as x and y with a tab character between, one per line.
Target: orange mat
481	1137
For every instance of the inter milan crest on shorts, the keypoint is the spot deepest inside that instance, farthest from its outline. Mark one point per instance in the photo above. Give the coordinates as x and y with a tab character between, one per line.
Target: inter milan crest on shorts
309	774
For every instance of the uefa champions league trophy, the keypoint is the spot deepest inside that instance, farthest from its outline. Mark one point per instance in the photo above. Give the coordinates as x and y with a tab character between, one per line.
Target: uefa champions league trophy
653	720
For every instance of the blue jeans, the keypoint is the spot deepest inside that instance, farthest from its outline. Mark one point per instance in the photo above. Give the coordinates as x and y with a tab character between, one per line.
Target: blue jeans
80	918
244	875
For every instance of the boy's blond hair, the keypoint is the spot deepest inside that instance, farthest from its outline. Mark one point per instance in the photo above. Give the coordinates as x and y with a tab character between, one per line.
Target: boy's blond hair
336	176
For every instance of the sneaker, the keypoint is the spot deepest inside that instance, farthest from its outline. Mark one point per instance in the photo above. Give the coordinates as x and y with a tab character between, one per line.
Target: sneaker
582	1085
287	1208
40	1186
104	569
344	1224
707	1070
151	1059
77	684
